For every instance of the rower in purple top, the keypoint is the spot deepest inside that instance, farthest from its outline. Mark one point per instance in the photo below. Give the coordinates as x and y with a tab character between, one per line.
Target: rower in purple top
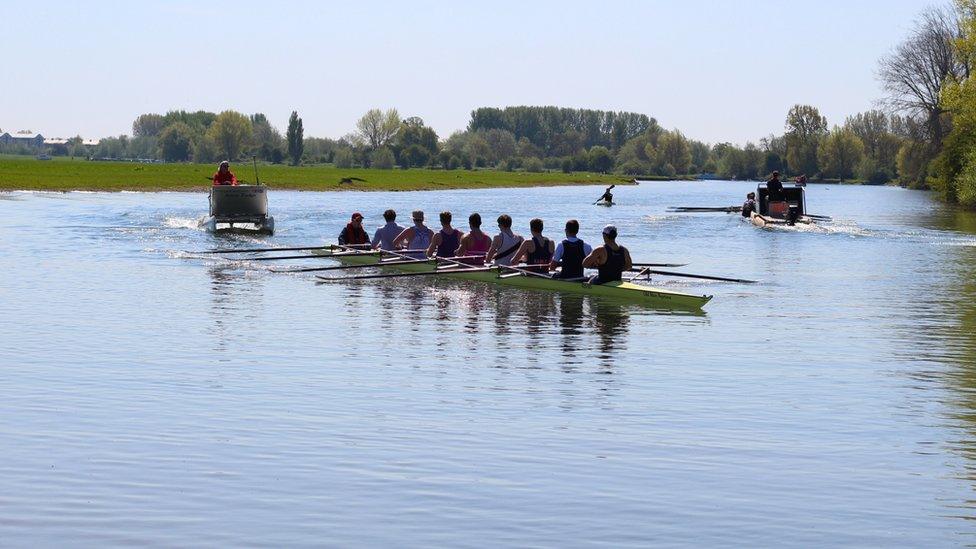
537	251
445	241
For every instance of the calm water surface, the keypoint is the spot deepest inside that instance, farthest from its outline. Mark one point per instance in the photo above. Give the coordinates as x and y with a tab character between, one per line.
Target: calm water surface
150	396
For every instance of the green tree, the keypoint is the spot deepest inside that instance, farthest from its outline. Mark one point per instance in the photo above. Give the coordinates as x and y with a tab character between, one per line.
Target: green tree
230	132
148	125
672	148
532	164
267	142
414	156
839	153
805	127
295	135
176	142
377	128
601	160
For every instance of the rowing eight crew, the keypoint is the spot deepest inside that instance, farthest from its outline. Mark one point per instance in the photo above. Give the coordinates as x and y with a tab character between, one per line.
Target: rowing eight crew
475	247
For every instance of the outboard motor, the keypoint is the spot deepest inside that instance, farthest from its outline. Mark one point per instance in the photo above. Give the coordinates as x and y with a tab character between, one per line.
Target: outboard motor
792	215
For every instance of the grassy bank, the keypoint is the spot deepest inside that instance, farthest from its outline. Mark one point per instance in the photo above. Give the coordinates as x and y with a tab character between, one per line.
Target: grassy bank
25	173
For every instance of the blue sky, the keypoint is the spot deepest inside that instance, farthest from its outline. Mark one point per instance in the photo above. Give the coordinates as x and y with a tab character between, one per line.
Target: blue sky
718	71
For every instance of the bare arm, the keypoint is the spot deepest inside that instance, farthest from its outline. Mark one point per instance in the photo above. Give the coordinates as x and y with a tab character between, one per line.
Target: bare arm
628	264
496	242
463	247
522	251
596	258
435	241
404	236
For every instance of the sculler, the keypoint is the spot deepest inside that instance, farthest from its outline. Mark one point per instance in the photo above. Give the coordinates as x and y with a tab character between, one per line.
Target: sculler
537	251
353	233
505	243
417	237
445	241
607	195
570	253
475	242
224	176
610	260
749	205
385	235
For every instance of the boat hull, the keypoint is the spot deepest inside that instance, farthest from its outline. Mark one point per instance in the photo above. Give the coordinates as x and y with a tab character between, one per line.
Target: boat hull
624	291
761	220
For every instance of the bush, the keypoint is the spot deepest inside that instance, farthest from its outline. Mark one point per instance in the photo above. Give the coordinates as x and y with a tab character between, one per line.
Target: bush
668	170
532	164
382	159
966	182
567	165
344	158
453	163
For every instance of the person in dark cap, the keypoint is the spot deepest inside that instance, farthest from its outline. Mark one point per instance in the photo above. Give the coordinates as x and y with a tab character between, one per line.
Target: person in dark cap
353	233
610	260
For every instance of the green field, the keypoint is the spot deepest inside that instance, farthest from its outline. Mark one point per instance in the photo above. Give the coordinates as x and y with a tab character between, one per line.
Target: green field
62	174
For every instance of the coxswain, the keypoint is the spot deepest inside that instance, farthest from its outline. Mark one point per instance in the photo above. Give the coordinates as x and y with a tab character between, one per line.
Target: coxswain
610	260
353	234
537	251
570	253
445	241
775	188
224	176
505	243
385	235
417	238
475	244
749	205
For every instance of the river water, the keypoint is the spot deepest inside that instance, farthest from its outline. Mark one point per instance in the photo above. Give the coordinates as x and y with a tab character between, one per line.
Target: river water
150	396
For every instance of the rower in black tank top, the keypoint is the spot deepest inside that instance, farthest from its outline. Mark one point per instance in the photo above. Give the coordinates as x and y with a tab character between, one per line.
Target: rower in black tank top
540	256
613	269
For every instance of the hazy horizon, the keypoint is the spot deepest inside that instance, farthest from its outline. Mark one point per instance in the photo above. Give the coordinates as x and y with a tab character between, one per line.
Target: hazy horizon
714	70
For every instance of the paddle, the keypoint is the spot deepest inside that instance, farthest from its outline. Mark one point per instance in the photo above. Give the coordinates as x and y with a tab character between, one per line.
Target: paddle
400	275
705	277
604	194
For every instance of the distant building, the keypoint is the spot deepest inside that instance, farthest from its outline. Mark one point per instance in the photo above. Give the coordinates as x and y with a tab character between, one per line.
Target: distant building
22	139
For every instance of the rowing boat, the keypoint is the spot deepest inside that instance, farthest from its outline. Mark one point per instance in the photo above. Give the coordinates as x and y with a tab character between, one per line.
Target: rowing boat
761	220
621	290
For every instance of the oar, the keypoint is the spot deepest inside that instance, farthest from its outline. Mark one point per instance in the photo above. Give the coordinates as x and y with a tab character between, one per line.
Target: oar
689	209
659	264
401	275
822	217
367	265
313	256
705	277
257	250
526	271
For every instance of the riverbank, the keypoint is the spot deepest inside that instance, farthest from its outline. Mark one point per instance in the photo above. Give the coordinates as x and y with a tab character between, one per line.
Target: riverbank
25	173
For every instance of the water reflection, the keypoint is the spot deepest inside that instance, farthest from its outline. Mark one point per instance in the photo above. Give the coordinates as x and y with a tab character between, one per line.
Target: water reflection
235	300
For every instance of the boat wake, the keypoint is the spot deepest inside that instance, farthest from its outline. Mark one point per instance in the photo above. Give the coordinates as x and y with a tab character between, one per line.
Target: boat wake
183	223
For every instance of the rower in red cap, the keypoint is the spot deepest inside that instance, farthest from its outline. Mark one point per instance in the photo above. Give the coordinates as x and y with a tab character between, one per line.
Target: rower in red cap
353	233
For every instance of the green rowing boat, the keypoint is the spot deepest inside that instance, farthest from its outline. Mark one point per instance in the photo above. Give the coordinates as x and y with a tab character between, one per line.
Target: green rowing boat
625	291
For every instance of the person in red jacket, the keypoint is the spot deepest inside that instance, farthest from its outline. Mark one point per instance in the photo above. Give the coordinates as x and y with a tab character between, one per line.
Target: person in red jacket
224	176
353	234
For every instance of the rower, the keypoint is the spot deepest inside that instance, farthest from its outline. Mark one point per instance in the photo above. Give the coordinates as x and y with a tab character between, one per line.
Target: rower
570	253
749	205
224	176
417	238
475	244
537	250
607	195
610	260
504	244
353	234
385	235
445	241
